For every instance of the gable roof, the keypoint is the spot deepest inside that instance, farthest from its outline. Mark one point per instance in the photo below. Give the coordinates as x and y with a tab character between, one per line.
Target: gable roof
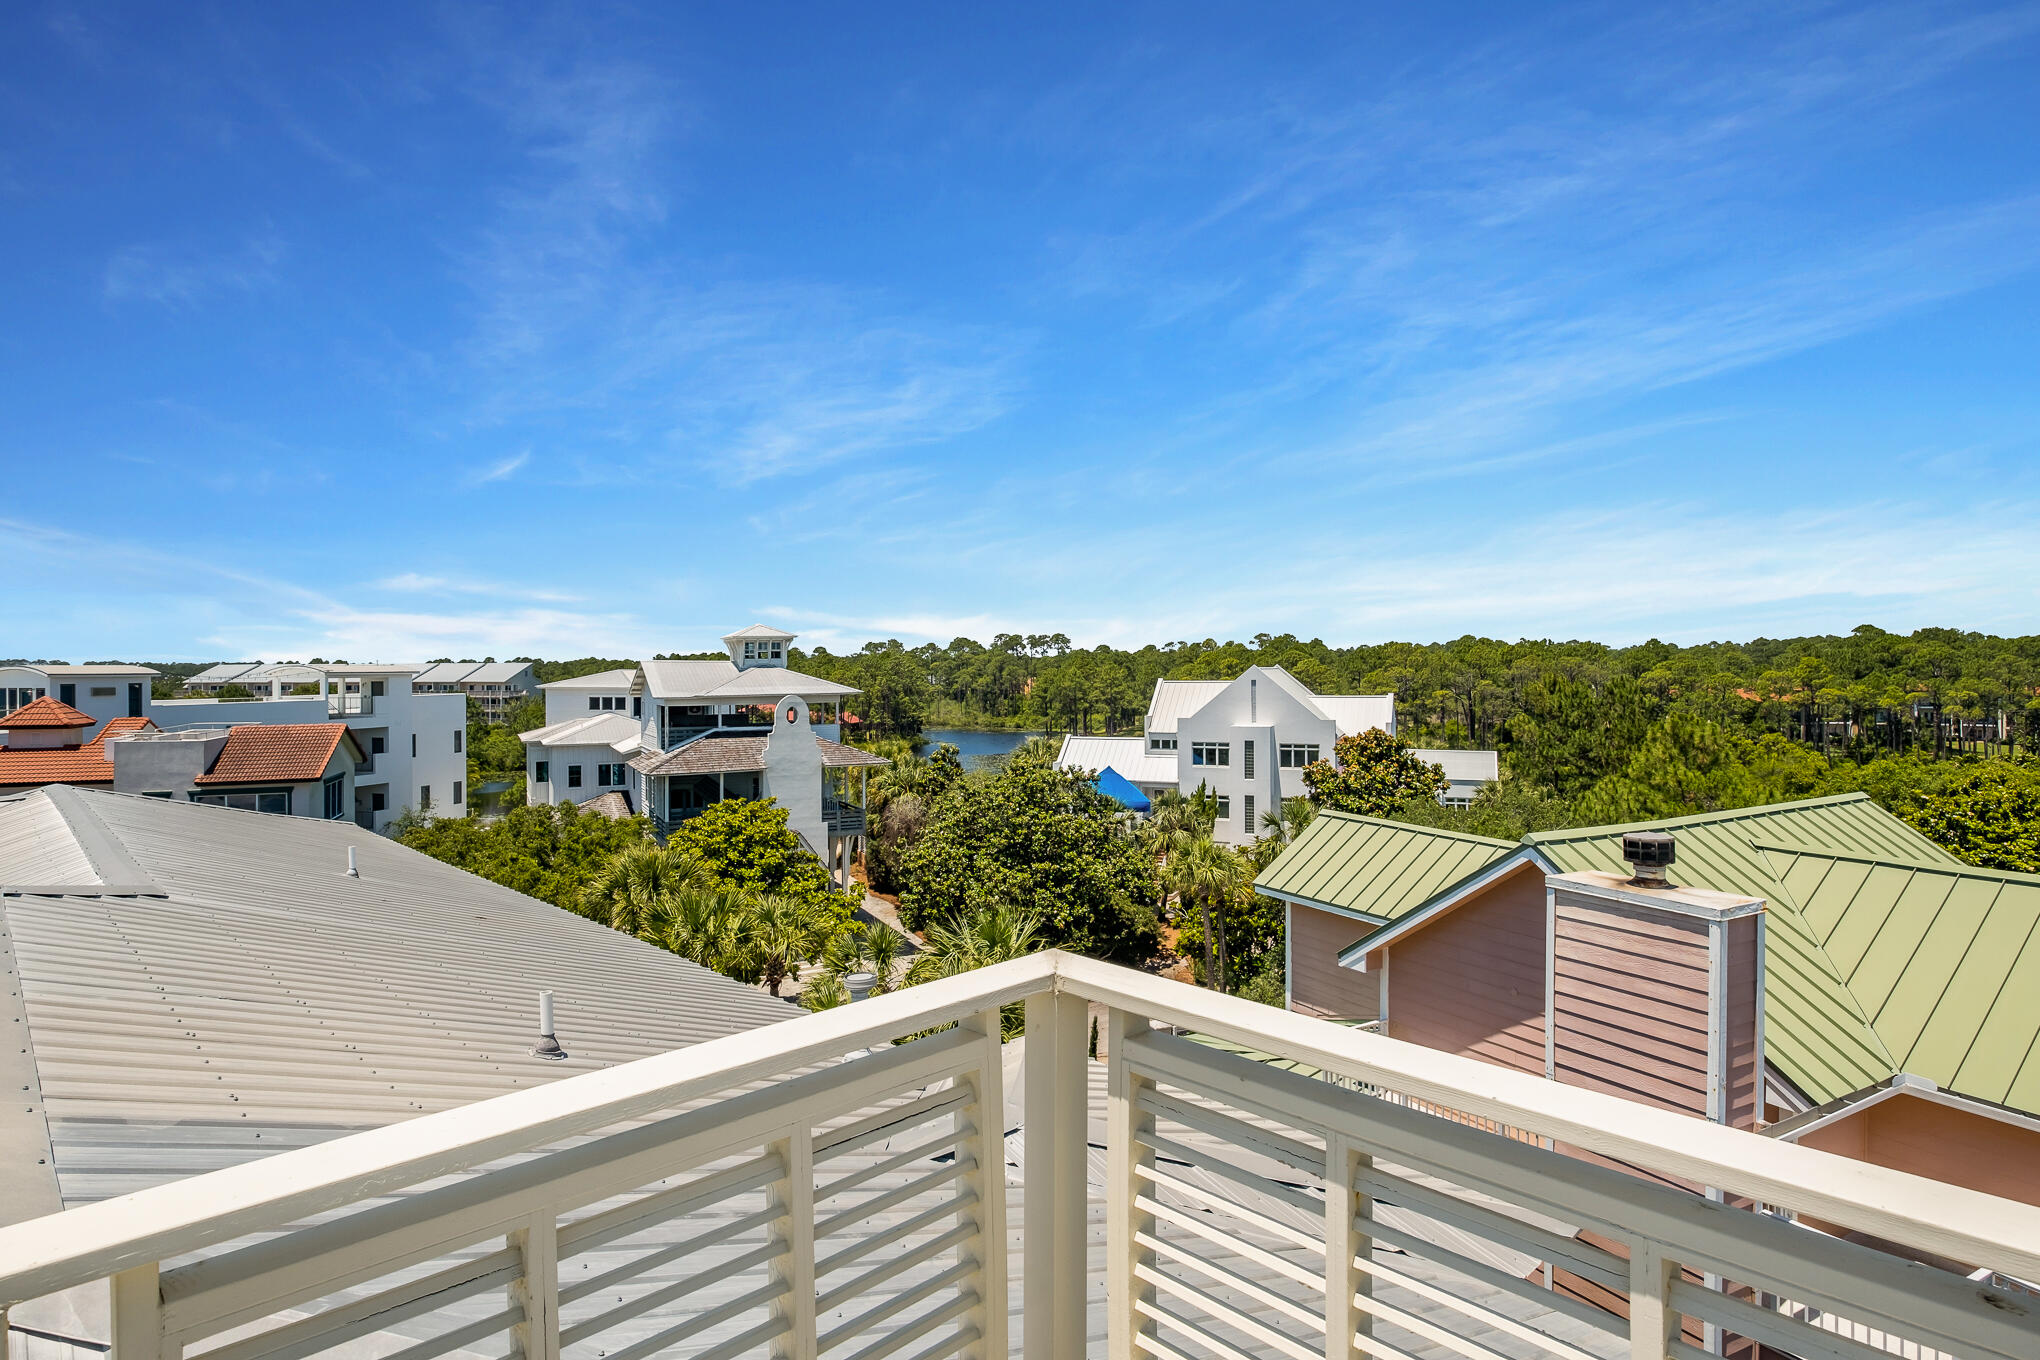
1175	700
222	671
45	713
1375	870
613	729
1818	1033
621	678
1128	756
759	630
443	673
1944	961
275	753
241	994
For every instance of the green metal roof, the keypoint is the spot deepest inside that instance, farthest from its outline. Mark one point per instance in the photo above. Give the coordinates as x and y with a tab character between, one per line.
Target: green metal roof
1845	1003
1374	869
1944	960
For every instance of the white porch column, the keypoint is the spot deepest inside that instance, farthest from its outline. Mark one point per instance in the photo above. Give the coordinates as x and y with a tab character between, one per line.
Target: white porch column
1055	1192
1125	1154
987	1116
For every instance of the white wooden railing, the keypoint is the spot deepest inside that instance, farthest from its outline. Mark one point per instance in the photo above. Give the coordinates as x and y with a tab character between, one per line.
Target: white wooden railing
816	1188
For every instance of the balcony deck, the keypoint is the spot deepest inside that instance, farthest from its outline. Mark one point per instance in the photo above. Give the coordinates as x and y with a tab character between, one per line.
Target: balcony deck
810	1188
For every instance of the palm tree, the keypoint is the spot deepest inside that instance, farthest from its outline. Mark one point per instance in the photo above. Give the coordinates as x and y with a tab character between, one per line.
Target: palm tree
774	935
1206	872
637	883
987	936
872	947
699	924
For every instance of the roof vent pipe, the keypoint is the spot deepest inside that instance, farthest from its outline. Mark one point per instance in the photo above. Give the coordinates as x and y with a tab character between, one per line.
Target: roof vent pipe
859	985
548	1047
352	870
1649	853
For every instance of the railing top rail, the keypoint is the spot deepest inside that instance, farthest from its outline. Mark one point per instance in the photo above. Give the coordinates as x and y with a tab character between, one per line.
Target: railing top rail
41	1256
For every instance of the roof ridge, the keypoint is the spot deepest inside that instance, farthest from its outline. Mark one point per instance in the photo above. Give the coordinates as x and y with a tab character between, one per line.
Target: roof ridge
1394	825
1694	818
101	848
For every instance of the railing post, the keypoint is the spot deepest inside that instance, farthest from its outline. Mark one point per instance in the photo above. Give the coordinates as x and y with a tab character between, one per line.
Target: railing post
1344	1245
1653	1326
1057	1143
537	1288
1126	1127
988	1112
137	1316
793	1269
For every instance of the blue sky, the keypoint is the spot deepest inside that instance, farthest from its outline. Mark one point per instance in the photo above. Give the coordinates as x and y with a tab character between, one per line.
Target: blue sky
425	331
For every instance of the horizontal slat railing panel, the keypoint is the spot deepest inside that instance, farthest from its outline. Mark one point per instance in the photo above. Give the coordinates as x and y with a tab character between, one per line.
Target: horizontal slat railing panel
882	1124
1700	1233
1543	1298
252	1281
585	1234
1959	1224
344	1322
651	1260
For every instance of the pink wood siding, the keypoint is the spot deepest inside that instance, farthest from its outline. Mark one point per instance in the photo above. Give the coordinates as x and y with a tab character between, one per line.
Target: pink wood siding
1928	1138
1320	986
1744	999
1630	992
1472	983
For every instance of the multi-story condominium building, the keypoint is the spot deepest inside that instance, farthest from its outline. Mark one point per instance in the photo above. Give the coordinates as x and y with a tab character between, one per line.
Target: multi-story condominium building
101	692
676	736
413	746
1246	741
496	685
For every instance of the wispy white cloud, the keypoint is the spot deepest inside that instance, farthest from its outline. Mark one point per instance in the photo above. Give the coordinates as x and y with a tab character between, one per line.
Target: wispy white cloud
182	276
418	583
500	470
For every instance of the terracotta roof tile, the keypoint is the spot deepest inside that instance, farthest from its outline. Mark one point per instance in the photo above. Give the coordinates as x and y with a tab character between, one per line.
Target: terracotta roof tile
116	727
275	753
46	712
58	765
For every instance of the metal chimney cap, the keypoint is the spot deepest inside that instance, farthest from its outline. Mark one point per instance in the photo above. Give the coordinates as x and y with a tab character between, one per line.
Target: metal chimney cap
1649	854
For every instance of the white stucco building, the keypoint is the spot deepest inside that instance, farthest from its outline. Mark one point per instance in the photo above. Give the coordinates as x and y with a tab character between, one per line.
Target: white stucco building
496	685
100	692
676	736
1246	740
413	745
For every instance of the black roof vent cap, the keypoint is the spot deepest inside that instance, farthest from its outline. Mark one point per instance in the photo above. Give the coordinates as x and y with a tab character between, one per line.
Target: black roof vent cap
1649	853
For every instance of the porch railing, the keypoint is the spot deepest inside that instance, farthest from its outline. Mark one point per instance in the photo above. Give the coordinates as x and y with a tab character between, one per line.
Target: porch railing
814	1187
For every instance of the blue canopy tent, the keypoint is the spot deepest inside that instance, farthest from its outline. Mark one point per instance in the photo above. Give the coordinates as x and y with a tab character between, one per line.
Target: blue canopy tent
1120	789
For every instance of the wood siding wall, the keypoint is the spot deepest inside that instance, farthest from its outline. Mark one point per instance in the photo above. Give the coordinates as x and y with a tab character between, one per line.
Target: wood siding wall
1472	983
1630	997
1928	1138
1744	1002
1318	985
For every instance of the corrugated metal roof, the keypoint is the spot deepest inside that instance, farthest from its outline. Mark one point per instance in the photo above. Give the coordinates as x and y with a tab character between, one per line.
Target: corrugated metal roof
1379	870
1465	767
496	672
1174	700
37	847
616	679
1128	755
759	630
687	679
80	672
596	729
443	673
268	999
221	672
773	682
1357	713
1944	960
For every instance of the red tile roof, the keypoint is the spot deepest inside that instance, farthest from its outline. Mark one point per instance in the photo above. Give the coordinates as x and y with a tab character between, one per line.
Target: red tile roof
47	712
85	764
58	765
275	753
115	727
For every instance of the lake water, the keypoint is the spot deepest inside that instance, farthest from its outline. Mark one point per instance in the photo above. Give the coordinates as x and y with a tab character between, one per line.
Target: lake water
970	744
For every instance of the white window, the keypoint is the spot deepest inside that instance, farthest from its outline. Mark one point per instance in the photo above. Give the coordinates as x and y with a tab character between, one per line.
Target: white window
1295	757
1247	771
276	800
1224	808
102	691
456	792
1210	753
1161	743
1248	807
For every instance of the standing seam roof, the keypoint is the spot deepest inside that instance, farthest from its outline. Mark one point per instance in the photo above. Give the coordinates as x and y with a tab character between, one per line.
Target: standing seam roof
1380	870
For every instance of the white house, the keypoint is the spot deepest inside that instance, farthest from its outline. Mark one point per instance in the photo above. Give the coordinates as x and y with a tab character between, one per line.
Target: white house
675	736
1245	740
496	685
413	746
100	692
